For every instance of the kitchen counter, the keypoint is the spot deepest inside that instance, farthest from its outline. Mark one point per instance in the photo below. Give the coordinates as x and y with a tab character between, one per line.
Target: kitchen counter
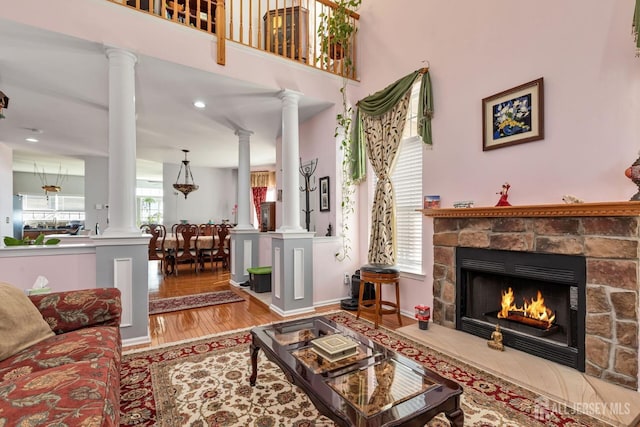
32	233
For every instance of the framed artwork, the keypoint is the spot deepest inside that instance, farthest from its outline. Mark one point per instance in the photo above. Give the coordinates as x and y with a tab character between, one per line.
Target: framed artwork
324	194
514	116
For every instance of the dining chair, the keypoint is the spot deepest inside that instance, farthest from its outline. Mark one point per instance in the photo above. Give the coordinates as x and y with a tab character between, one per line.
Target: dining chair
207	244
221	251
186	246
158	234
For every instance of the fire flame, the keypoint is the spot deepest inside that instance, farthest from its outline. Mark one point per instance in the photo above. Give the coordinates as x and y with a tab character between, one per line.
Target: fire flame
534	309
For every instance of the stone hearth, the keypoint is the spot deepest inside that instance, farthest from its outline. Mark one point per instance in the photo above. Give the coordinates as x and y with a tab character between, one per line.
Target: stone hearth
607	234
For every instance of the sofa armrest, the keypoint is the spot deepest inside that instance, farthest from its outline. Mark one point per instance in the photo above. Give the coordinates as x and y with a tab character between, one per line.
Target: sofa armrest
70	310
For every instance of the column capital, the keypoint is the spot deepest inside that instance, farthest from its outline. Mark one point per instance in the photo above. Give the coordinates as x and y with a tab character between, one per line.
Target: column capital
112	52
288	94
243	133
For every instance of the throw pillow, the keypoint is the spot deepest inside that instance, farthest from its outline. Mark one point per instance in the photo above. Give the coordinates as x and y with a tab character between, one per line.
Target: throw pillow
22	325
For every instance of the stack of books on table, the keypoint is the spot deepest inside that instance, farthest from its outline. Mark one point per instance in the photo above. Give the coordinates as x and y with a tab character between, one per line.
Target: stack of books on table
334	347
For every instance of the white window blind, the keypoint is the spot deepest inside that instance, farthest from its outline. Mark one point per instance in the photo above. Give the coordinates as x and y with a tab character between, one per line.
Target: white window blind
407	189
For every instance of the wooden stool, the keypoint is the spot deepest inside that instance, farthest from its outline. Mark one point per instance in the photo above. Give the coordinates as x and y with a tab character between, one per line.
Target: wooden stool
379	274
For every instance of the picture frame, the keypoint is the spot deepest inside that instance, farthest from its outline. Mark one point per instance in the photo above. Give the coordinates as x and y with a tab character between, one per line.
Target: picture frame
323	185
514	116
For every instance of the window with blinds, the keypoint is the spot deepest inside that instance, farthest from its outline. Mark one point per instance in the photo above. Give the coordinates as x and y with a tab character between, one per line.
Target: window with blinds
407	190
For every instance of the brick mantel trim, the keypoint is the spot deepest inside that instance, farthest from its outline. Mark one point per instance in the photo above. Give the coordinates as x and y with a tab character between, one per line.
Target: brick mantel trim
533	211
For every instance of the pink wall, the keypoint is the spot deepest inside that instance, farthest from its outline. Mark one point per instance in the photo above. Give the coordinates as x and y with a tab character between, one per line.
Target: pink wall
317	141
64	272
583	49
328	273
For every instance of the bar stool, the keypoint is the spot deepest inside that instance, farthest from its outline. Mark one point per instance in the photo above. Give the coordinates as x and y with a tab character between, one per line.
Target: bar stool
379	274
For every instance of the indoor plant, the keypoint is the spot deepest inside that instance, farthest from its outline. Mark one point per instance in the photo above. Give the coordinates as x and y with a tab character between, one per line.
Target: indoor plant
336	31
40	240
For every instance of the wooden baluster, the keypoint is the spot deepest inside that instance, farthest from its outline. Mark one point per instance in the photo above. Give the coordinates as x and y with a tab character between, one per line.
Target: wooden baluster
352	53
221	32
198	19
315	36
275	27
250	23
231	34
291	44
259	26
241	38
267	35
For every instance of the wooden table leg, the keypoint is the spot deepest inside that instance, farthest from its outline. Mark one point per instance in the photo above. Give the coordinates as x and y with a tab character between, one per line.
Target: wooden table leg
456	417
254	363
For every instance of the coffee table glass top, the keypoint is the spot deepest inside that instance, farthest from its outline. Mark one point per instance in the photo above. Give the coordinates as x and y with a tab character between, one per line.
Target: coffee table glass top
378	387
372	380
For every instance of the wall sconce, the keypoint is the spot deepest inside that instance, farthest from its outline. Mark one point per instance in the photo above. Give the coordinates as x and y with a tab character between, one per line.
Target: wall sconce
187	186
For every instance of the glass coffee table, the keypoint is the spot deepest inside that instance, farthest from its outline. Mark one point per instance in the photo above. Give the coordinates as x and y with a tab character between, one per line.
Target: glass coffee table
369	385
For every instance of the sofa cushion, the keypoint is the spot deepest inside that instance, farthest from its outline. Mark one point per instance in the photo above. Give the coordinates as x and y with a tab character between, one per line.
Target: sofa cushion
77	394
22	324
81	345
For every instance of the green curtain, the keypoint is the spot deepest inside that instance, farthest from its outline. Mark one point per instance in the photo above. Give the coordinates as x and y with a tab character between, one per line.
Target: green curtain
636	26
382	102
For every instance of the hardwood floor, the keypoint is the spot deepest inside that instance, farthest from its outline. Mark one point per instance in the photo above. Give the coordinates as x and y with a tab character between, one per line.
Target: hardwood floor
187	324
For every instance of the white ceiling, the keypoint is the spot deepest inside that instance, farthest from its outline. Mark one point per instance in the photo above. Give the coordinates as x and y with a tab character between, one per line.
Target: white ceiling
58	90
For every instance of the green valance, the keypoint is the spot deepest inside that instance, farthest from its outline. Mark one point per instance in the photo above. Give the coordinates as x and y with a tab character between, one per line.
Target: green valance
636	26
381	102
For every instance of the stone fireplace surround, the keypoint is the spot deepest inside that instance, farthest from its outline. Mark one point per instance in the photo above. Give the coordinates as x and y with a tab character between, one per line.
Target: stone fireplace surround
607	234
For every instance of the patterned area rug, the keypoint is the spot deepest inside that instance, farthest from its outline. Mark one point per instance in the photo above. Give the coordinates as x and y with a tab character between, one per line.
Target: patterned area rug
165	305
206	383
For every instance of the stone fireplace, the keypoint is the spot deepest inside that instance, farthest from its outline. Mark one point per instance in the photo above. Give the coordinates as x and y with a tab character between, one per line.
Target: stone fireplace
605	235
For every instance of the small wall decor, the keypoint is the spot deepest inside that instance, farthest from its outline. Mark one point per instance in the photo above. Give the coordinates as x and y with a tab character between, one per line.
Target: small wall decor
504	194
324	194
431	202
514	116
633	173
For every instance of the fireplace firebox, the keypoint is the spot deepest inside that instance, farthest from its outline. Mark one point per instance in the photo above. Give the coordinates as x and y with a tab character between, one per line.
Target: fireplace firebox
538	300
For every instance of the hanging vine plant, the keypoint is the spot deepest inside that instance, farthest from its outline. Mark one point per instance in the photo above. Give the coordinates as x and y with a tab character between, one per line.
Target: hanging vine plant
335	31
347	206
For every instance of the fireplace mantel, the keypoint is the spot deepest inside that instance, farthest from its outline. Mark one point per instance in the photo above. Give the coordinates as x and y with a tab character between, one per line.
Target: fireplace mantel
532	211
606	234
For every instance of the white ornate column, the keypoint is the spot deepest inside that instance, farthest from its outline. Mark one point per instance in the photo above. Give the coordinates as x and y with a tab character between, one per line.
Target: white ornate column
290	162
244	180
122	250
122	143
244	237
291	245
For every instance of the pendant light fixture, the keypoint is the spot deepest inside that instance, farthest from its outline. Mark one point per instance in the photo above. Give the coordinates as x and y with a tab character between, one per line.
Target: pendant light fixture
49	187
186	185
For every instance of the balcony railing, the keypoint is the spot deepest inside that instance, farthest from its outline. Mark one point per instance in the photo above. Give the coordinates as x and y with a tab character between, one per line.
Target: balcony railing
287	28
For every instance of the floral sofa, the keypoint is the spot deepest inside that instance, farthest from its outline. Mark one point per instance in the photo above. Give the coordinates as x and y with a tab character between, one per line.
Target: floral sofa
73	377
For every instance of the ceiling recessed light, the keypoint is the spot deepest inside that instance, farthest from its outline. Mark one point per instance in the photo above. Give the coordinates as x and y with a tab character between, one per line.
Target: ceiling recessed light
31	140
199	104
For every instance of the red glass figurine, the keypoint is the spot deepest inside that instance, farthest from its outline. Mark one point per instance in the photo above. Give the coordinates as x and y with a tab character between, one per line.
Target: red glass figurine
503	195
